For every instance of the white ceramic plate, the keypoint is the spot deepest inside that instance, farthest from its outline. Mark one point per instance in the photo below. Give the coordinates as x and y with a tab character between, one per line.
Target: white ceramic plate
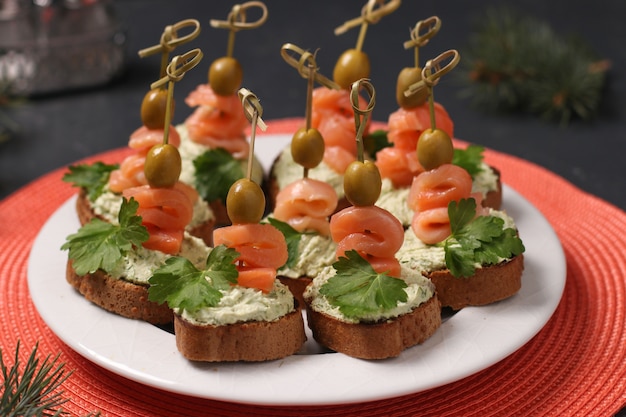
467	342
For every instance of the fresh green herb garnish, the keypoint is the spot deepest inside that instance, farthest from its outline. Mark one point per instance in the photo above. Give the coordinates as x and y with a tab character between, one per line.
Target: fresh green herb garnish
182	285
470	159
482	240
292	236
216	171
100	245
92	178
357	289
375	141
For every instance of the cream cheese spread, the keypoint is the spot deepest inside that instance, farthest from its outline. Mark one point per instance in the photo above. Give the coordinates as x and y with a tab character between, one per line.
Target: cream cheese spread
138	264
314	253
485	181
286	171
419	290
190	150
240	304
420	257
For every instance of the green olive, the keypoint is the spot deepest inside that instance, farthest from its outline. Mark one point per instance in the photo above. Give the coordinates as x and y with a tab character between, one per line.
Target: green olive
225	76
307	147
163	165
362	183
153	109
434	148
351	66
245	202
407	77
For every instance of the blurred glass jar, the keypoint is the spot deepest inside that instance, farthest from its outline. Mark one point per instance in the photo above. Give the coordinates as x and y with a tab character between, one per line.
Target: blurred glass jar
50	46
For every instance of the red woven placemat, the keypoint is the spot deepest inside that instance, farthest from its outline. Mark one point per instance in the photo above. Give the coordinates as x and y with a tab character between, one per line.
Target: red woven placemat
576	365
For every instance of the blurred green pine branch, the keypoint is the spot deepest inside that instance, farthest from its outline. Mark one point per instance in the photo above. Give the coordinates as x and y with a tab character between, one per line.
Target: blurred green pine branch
517	63
35	389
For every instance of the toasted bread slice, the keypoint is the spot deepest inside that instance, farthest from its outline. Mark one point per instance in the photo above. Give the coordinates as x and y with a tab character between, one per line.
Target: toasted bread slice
493	198
119	296
251	341
380	340
296	286
489	284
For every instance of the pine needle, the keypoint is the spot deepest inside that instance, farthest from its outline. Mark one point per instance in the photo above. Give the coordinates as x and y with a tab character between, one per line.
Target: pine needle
36	390
517	63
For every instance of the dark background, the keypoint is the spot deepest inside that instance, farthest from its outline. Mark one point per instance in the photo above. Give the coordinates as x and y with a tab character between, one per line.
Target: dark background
58	129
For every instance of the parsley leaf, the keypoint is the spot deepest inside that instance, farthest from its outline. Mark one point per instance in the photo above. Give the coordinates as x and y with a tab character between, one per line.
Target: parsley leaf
292	236
216	171
100	245
92	178
469	158
358	290
182	285
479	240
375	141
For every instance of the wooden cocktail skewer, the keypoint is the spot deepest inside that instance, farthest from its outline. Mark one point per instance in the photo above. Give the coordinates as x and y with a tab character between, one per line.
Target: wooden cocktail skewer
421	34
245	202
362	182
354	64
225	73
434	146
170	40
163	163
307	144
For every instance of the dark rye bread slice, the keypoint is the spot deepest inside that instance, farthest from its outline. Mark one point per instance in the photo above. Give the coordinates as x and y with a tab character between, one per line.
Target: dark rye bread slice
493	199
85	213
488	285
381	340
252	341
119	296
296	286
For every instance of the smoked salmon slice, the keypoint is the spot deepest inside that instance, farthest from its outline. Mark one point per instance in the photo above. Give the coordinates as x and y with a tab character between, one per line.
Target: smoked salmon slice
165	212
130	173
431	226
259	278
429	197
143	138
406	125
437	187
305	205
399	165
370	230
262	250
333	116
218	121
259	245
399	162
